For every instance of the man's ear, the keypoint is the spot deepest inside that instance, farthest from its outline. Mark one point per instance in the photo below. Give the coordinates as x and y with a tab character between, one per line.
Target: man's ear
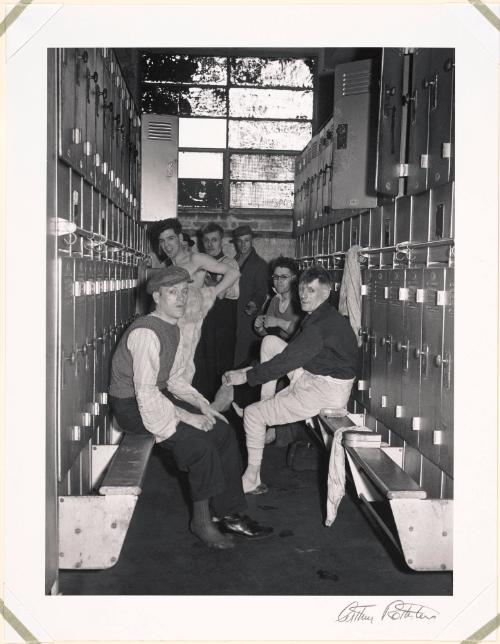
156	296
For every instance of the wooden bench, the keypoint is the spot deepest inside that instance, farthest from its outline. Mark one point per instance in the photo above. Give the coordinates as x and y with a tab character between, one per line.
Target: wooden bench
92	528
424	526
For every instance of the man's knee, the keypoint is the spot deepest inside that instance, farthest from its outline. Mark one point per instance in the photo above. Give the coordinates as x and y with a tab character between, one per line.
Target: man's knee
270	347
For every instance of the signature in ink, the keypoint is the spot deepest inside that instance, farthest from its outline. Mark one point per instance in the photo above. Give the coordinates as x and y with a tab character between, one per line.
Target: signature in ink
355	612
400	610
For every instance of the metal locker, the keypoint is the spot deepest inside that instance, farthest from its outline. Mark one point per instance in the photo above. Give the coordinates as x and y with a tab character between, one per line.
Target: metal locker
418	120
296	197
72	124
364	229
89	144
420	228
96	211
389	124
319	220
354	233
433	296
366	305
326	177
388	221
87	200
402	219
100	94
440	221
440	109
375	227
64	201
159	152
108	319
445	362
123	296
107	121
395	353
336	275
346	234
339	236
80	304
114	119
354	139
314	183
82	62
76	188
410	344
377	337
114	274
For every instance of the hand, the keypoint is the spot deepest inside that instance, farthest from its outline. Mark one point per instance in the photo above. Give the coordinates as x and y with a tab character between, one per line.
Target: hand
259	322
251	308
200	421
211	413
236	377
271	321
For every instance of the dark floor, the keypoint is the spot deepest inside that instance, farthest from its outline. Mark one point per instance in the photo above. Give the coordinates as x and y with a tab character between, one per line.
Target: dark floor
302	557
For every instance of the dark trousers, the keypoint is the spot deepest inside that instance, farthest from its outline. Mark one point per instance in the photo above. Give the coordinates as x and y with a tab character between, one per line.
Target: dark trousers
211	459
214	353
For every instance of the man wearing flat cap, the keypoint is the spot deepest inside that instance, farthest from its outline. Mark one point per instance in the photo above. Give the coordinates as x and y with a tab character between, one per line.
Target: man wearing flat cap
253	292
148	394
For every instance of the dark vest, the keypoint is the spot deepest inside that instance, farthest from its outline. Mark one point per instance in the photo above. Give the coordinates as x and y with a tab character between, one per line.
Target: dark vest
122	377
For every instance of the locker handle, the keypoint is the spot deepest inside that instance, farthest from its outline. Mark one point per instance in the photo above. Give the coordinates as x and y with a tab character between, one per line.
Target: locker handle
84	57
439	360
400	346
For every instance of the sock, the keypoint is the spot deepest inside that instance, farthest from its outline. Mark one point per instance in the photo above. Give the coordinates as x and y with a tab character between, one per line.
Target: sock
203	527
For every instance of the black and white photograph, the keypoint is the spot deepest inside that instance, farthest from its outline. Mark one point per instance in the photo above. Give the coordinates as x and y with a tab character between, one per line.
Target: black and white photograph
251	334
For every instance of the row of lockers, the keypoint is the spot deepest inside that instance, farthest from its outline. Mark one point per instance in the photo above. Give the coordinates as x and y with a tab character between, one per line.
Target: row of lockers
391	133
80	202
406	380
99	126
426	217
97	302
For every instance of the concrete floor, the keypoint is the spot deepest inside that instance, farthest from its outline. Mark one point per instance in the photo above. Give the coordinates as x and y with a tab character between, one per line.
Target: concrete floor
302	557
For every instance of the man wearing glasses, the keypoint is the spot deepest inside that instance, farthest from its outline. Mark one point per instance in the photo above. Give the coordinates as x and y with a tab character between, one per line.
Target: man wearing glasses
321	362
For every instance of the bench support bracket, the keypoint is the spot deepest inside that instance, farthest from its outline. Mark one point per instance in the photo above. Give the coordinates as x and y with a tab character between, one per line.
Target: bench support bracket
425	529
92	530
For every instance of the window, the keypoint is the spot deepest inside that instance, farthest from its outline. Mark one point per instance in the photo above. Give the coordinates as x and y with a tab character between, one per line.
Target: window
243	119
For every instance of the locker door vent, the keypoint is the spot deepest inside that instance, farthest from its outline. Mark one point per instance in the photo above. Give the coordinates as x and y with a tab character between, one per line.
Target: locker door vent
158	131
356	83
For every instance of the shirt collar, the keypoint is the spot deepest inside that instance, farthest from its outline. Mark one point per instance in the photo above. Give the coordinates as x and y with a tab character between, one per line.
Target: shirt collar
317	312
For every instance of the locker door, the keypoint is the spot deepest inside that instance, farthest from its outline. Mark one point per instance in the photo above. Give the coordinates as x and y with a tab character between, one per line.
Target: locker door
354	142
445	361
388	221
82	86
87	199
418	119
99	97
322	144
296	197
440	108
64	200
354	232
432	336
366	306
72	124
90	332
364	229
420	227
403	219
89	146
440	221
328	174
411	342
76	188
107	121
389	124
378	380
68	361
314	184
395	354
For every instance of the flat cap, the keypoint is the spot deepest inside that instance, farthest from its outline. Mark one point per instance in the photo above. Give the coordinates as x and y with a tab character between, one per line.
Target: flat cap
242	230
167	277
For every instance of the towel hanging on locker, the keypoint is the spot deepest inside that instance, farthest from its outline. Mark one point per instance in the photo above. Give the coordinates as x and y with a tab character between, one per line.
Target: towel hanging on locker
350	290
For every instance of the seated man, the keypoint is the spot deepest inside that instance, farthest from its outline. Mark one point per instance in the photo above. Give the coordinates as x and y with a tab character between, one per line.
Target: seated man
321	363
149	394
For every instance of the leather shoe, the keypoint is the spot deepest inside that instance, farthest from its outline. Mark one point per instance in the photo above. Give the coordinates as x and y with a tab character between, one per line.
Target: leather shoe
244	526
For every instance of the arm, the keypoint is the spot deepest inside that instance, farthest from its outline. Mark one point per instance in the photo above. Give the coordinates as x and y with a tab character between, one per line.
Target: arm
229	274
298	352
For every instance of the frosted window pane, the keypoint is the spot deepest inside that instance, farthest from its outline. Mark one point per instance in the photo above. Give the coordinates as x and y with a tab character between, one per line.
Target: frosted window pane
200	165
202	133
181	68
269	135
267	167
272	72
245	194
192	101
270	103
196	193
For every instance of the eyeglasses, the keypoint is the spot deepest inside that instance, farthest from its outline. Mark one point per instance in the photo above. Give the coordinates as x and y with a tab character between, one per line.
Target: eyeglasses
281	278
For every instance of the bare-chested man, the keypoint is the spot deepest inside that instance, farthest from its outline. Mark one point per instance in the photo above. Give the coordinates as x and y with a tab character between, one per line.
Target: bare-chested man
200	298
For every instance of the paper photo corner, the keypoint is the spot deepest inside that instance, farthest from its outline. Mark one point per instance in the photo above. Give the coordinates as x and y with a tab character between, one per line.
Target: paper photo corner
23	22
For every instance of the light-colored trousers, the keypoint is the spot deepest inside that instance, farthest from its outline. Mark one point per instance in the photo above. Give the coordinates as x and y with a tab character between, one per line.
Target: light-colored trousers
304	397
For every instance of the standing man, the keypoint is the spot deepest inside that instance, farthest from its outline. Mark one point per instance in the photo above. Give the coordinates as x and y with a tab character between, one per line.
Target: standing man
253	292
321	362
200	297
214	354
148	394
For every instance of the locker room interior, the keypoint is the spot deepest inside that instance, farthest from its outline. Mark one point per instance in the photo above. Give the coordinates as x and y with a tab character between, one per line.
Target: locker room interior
358	150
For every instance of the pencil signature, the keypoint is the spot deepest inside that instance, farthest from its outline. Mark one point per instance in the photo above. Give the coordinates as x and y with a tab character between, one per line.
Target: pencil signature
395	610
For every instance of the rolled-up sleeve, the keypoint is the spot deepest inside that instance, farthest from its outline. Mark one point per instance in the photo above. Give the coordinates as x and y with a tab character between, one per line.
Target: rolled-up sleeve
177	383
157	412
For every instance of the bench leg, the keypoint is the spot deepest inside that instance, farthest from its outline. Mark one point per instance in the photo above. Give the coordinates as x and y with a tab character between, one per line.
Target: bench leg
92	530
425	529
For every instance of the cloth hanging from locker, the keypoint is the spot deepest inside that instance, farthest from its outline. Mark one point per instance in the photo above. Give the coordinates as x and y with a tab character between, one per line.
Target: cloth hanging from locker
350	291
336	477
